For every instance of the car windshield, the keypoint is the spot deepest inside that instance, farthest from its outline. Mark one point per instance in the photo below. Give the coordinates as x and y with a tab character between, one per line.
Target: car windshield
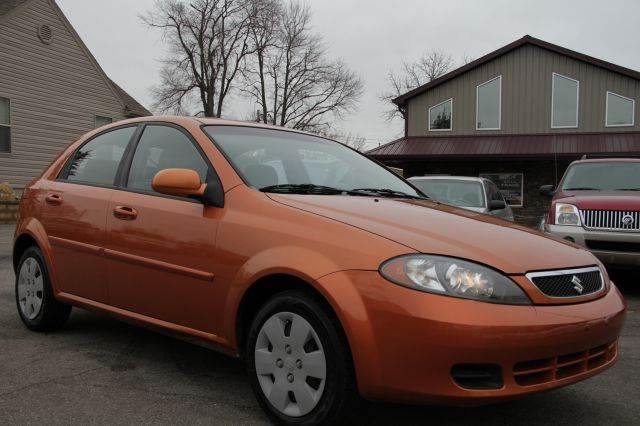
603	176
282	161
461	193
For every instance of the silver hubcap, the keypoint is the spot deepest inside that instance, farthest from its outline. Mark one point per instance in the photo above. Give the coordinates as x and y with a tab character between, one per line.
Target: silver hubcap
30	288
290	364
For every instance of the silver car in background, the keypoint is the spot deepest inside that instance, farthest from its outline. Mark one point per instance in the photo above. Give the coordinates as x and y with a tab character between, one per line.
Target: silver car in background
470	193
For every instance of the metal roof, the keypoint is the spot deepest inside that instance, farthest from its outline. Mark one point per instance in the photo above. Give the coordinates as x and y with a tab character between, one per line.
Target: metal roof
402	100
565	144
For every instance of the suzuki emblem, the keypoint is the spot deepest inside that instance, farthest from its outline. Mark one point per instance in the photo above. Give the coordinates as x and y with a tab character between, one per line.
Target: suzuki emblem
577	284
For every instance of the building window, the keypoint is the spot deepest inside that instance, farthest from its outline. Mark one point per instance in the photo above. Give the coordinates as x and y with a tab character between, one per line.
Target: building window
489	105
103	121
440	116
564	102
620	110
5	125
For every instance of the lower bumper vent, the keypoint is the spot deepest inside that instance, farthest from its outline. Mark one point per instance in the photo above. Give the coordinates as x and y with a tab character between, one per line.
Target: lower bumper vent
529	373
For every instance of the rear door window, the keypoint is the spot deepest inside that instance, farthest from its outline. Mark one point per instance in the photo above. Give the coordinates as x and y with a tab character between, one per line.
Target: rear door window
97	161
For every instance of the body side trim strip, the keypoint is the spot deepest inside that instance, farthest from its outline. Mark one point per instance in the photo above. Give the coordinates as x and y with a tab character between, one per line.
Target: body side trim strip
158	264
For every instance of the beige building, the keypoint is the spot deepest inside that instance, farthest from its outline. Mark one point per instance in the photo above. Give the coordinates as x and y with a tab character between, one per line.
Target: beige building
52	89
518	115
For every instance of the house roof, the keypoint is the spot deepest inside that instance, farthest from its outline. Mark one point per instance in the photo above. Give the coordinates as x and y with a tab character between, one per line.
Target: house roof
526	40
544	145
132	108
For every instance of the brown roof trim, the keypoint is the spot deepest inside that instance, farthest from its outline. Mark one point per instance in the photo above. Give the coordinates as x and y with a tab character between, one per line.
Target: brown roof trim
512	145
527	39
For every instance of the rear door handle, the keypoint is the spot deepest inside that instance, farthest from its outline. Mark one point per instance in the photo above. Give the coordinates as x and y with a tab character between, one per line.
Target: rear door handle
53	199
125	213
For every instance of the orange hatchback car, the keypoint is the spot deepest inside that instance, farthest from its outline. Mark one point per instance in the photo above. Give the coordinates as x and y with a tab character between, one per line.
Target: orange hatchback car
330	276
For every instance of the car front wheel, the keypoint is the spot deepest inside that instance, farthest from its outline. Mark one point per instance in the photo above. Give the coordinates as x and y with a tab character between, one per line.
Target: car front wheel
299	363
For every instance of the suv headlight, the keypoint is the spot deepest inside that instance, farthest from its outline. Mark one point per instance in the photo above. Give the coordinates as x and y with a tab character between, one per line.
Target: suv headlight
453	277
568	215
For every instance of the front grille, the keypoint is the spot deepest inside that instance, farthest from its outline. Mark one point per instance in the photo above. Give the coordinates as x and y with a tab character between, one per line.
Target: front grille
623	246
569	282
611	220
529	373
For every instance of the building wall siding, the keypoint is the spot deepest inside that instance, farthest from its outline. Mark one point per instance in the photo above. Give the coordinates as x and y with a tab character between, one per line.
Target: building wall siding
526	95
55	91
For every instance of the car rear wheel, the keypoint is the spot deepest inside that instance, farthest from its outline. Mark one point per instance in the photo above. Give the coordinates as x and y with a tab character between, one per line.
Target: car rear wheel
37	307
299	363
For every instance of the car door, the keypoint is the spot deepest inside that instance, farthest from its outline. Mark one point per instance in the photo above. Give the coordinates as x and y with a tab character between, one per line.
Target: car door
160	248
74	213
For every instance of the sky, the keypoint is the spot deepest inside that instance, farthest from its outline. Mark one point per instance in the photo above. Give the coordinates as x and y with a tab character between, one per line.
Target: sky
375	36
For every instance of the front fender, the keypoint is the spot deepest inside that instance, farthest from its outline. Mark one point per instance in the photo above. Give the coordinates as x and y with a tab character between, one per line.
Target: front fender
261	265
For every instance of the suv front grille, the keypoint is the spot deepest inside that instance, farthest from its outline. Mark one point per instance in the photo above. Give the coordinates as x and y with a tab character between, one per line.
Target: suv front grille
569	282
612	220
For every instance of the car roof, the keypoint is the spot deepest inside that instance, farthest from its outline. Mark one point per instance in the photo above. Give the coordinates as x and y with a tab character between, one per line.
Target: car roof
608	160
443	177
209	121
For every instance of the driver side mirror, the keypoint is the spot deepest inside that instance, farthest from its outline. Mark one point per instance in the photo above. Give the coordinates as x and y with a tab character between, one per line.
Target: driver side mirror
497	205
186	183
547	190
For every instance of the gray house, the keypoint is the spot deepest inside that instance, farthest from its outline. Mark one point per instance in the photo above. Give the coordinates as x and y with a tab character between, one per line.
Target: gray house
52	90
518	115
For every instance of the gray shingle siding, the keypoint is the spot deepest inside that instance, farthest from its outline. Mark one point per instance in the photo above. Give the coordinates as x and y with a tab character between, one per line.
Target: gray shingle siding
56	90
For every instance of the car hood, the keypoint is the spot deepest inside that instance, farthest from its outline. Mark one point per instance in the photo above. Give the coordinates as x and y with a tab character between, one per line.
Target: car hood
601	200
431	227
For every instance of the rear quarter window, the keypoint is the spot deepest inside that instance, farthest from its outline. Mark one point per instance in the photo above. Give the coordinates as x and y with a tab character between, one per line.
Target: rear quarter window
97	161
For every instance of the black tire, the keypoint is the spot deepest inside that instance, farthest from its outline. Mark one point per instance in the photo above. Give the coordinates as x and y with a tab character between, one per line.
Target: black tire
340	400
53	314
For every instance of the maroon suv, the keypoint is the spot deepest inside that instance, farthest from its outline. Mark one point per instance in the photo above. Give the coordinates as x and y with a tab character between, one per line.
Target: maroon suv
597	205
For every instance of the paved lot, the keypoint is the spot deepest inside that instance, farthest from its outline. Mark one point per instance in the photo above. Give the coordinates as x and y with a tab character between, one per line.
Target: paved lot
97	370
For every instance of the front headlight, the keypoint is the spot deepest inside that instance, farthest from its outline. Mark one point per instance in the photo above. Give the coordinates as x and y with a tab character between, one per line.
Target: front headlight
567	214
452	277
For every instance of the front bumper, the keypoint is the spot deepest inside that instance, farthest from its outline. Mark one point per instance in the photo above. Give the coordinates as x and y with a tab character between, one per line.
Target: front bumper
405	343
579	235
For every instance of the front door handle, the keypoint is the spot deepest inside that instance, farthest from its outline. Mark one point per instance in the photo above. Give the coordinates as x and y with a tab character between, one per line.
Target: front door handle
53	199
125	213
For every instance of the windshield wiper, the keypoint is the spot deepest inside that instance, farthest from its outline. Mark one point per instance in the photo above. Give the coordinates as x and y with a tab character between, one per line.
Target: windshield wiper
384	192
586	188
627	189
302	188
309	188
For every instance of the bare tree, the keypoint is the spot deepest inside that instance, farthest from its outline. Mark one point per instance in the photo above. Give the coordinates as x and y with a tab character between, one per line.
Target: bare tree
466	58
291	80
208	42
353	140
430	66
